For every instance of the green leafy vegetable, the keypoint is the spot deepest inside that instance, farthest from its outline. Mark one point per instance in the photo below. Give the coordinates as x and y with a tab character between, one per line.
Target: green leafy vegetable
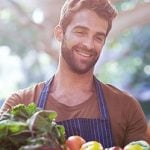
28	127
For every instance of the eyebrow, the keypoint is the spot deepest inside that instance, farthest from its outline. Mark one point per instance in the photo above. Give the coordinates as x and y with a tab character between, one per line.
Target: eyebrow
85	28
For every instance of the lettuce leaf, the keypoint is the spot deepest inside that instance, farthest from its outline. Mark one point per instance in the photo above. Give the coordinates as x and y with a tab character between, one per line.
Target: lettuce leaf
26	127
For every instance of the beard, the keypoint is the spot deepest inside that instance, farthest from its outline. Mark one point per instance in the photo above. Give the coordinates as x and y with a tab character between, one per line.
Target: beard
75	63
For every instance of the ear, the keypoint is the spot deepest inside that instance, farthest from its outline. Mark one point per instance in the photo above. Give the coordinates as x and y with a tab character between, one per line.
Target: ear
58	32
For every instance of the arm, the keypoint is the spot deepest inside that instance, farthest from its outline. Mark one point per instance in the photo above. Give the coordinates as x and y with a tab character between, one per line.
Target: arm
11	101
24	96
136	123
148	132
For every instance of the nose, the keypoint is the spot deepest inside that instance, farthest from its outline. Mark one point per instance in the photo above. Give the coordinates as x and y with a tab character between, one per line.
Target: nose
89	43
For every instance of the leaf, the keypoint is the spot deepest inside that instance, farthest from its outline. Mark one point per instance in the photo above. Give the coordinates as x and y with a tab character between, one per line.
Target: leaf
37	122
31	147
41	120
52	115
61	133
31	127
6	115
9	126
31	109
19	111
20	138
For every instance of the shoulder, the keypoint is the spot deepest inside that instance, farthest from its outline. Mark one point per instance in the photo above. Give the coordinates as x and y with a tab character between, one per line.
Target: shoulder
126	114
24	96
127	106
30	91
118	95
33	89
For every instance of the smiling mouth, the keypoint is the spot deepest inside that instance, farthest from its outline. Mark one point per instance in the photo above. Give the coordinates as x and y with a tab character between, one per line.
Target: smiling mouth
83	53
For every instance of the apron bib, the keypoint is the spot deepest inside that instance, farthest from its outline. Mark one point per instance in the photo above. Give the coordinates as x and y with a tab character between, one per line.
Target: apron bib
90	129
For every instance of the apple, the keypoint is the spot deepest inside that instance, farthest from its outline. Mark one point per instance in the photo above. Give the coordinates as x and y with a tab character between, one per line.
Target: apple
137	145
92	145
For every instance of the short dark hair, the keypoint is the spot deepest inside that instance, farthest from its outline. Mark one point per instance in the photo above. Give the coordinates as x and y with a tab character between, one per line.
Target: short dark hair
103	8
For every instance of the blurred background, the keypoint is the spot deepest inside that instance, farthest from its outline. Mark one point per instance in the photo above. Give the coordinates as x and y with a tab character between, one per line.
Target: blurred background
29	51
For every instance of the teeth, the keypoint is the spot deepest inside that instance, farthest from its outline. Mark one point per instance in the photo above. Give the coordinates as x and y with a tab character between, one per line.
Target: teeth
83	54
86	54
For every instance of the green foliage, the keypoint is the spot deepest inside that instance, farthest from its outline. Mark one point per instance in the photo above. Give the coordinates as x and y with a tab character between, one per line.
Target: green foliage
28	127
22	111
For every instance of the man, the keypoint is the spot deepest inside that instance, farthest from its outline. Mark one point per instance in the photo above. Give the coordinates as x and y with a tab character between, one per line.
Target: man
86	106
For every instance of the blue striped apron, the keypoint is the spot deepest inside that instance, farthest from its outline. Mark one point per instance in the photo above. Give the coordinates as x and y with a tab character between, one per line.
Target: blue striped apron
90	129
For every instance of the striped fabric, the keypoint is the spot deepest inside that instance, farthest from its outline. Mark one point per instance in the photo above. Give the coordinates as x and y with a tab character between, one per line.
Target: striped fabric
90	129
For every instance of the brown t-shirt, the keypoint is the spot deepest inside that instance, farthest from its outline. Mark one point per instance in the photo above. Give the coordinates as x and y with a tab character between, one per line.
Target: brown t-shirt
127	118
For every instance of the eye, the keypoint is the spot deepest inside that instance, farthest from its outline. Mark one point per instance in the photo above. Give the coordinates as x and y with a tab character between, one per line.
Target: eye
80	32
99	39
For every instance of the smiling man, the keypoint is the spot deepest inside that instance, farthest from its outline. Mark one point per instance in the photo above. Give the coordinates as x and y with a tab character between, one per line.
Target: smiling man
82	41
85	106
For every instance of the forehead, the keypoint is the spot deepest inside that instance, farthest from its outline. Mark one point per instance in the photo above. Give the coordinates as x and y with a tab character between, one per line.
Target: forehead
90	20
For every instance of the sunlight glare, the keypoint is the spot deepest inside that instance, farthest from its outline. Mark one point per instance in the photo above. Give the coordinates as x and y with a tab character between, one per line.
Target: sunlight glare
38	16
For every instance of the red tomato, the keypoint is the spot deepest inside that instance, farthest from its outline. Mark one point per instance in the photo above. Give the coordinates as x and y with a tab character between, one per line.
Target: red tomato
74	142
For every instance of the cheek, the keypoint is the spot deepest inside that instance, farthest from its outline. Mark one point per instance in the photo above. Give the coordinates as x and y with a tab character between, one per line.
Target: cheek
71	41
98	48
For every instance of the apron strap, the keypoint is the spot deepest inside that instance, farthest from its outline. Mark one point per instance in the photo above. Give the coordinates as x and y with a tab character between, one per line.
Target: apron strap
44	94
101	101
104	111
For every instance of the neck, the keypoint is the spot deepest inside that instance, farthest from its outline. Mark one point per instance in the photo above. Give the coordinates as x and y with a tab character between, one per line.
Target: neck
68	81
71	88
